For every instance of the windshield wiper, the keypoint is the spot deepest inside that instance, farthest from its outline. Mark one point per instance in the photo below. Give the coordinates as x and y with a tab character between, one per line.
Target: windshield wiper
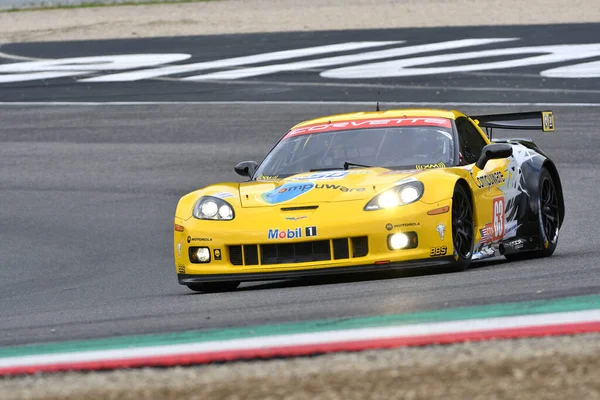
323	169
349	164
346	166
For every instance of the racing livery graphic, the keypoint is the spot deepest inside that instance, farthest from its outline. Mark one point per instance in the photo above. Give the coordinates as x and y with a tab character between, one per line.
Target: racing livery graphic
375	191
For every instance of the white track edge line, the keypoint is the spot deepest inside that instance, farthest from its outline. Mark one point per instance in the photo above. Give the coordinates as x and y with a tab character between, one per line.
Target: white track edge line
323	337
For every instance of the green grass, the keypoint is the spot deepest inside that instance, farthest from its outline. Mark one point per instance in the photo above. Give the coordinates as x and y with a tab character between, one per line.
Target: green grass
95	4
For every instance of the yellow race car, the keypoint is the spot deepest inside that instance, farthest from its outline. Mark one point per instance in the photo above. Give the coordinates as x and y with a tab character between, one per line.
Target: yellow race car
374	191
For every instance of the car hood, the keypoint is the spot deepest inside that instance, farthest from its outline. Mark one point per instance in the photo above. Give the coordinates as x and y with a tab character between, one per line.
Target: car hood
312	188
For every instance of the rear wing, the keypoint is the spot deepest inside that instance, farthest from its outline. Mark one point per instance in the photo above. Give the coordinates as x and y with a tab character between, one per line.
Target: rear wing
531	120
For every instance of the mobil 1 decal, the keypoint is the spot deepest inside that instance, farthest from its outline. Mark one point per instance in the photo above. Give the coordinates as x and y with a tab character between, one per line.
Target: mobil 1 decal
292	233
310	231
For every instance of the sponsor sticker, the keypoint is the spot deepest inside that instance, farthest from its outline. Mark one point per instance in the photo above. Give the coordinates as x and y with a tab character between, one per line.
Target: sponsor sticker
178	249
217	254
295	233
430	166
510	229
438	251
389	227
310	231
338	187
489	180
222	195
441	229
548	121
286	192
371	123
487	233
401	171
267	177
321	176
191	239
407	224
295	218
517	244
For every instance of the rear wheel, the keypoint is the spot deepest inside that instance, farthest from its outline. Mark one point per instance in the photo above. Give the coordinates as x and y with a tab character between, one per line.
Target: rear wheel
462	228
214	287
549	219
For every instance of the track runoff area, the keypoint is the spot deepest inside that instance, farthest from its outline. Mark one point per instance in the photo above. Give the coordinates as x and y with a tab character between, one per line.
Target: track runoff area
567	316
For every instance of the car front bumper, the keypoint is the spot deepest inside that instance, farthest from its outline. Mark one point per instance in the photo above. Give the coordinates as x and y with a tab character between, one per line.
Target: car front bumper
331	224
185	279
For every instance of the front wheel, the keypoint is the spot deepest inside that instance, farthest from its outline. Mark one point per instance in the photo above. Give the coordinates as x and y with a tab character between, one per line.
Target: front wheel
462	228
214	287
549	220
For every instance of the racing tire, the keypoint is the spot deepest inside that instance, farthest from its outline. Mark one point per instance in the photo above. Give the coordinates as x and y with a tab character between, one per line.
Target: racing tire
462	228
549	220
214	287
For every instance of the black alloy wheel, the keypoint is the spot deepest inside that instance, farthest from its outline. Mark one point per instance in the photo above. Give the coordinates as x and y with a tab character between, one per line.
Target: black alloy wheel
549	219
462	228
549	209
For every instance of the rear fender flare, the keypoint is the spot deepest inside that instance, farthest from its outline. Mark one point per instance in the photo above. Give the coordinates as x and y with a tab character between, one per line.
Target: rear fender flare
532	170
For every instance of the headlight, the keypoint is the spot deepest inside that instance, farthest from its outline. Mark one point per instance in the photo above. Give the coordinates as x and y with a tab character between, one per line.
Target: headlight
388	199
400	195
409	194
213	208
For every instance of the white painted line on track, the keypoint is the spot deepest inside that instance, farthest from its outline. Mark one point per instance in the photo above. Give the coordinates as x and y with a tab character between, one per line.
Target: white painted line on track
237	61
360	103
299	339
16	57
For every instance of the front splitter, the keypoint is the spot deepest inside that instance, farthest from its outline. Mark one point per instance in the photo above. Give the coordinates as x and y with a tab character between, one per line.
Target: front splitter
186	279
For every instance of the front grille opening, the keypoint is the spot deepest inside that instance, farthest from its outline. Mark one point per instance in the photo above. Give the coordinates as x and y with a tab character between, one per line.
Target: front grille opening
235	255
290	253
360	246
340	249
250	254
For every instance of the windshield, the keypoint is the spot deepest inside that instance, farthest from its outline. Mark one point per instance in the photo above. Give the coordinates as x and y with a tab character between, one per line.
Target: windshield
410	147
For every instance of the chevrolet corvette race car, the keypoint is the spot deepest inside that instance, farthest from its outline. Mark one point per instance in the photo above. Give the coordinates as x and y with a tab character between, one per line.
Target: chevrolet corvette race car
374	191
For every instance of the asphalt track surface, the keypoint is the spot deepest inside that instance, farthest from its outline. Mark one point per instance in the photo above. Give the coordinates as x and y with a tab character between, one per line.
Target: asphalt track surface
87	197
522	84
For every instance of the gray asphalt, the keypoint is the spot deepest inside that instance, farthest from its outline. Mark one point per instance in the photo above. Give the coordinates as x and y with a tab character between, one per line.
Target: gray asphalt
87	195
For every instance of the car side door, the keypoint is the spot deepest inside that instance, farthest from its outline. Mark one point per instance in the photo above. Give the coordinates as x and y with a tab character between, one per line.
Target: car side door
489	202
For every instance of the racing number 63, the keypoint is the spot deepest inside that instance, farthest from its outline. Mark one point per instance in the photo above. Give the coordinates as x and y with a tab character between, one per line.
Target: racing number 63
498	207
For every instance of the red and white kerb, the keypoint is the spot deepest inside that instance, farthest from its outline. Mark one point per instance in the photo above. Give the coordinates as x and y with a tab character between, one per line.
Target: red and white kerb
371	123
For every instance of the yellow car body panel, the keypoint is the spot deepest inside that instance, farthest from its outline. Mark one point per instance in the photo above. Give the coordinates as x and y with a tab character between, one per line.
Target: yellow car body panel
339	214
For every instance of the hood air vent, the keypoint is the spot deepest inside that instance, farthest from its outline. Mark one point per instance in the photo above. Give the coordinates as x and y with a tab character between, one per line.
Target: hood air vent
299	208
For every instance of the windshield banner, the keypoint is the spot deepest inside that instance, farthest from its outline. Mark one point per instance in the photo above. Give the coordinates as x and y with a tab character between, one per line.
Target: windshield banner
370	123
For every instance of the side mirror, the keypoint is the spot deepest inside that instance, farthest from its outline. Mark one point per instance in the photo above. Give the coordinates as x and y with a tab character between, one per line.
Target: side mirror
494	151
246	168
